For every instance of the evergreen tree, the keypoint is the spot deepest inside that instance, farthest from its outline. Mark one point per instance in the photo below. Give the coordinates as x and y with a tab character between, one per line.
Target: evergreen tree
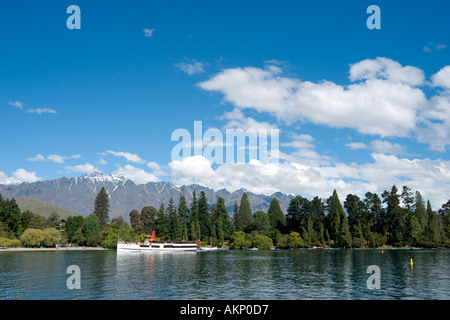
224	224
338	223
244	219
148	219
101	207
276	216
204	218
183	217
235	214
395	217
162	223
298	212
355	210
174	231
91	229
262	223
135	221
318	219
193	219
433	229
10	216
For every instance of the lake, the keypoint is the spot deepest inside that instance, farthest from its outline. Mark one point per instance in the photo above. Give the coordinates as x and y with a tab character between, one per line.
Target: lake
249	275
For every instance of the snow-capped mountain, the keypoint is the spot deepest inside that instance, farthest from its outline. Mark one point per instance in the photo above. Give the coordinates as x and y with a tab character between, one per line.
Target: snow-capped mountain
78	194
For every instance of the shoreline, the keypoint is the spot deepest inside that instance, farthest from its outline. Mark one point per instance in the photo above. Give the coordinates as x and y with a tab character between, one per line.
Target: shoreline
3	249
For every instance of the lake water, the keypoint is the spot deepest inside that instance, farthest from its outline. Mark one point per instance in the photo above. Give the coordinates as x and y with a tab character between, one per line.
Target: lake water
287	275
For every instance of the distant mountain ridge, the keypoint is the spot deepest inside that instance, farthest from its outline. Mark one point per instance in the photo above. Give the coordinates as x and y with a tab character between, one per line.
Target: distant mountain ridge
78	194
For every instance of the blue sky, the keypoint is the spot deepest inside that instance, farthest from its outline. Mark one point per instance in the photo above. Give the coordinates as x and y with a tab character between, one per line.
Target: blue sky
358	110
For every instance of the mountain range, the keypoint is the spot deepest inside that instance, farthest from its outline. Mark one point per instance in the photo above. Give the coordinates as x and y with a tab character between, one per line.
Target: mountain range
78	194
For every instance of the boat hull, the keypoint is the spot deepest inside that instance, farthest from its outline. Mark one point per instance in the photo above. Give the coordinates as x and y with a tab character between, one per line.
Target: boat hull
159	247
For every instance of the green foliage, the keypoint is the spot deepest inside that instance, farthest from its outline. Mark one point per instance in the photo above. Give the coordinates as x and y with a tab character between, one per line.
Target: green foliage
262	242
51	237
32	238
262	222
101	207
239	241
91	228
9	243
294	240
276	216
244	217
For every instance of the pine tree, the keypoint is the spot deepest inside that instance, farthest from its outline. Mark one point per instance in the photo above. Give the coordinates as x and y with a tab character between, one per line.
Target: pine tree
224	224
10	215
276	216
193	219
174	231
135	221
148	219
204	218
338	223
162	223
244	220
101	207
183	217
395	217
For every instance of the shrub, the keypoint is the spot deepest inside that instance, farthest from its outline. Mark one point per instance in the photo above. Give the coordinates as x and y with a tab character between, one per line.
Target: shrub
239	241
262	242
51	237
295	241
9	243
32	238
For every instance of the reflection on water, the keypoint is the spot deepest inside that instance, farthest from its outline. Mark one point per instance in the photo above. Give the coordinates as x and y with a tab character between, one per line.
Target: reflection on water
302	274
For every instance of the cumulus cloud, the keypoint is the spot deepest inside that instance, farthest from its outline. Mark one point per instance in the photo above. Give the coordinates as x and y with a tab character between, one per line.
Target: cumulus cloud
430	177
383	99
38	157
84	168
381	146
129	156
53	157
442	78
19	176
137	175
236	119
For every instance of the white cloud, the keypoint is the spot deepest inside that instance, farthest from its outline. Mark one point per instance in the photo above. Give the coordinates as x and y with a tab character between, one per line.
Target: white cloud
129	156
430	177
383	101
357	145
433	46
84	168
153	165
53	157
387	69
19	176
191	68
149	32
41	110
442	78
16	104
38	157
381	146
237	120
137	175
102	161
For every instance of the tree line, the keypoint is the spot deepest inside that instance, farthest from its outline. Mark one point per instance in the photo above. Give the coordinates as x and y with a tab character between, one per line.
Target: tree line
395	219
